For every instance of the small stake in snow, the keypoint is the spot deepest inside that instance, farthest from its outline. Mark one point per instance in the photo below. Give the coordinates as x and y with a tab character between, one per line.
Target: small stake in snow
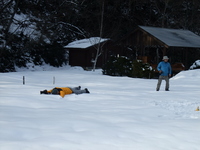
23	79
53	80
197	108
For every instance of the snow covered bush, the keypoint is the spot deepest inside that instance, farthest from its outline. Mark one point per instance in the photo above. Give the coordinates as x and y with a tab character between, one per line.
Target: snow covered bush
195	65
117	66
52	54
37	53
142	70
123	66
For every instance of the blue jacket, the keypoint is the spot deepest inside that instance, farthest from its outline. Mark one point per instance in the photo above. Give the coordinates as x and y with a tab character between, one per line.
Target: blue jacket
165	67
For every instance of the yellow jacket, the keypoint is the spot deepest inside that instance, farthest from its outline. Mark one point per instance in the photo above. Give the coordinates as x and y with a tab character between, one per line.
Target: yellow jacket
64	91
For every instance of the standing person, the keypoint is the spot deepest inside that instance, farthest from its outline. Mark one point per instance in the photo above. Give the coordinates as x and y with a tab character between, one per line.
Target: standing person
165	71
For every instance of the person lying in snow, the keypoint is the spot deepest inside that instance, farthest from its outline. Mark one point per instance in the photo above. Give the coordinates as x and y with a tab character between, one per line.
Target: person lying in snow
62	91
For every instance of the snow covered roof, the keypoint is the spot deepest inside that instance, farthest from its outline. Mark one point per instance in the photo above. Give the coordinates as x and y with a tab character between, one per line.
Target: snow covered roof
174	37
85	43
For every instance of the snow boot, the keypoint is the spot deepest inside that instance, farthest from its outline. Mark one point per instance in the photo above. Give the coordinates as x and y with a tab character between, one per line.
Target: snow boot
87	90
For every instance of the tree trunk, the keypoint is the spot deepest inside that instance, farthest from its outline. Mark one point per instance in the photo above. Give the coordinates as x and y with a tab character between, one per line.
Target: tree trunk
99	49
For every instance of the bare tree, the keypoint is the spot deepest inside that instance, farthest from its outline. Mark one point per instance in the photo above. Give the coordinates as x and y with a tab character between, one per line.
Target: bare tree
99	46
162	6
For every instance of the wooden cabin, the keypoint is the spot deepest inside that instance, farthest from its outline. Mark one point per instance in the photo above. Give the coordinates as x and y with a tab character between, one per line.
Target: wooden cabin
150	44
82	52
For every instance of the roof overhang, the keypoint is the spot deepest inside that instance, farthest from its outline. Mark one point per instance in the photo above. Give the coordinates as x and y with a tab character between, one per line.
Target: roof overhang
86	43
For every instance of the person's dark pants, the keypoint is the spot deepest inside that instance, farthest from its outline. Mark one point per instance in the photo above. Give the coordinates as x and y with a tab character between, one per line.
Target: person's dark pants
166	78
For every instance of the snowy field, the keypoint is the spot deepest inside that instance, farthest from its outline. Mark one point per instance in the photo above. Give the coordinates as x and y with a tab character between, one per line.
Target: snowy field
120	113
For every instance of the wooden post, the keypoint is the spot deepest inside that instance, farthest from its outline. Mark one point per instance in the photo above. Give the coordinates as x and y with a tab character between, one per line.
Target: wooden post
23	79
186	63
164	51
53	80
157	55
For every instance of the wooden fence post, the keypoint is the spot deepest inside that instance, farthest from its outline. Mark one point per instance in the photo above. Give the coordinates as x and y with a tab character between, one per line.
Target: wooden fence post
23	79
53	80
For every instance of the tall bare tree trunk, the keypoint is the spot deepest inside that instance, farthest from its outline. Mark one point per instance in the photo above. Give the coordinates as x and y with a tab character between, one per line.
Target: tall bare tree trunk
162	10
99	48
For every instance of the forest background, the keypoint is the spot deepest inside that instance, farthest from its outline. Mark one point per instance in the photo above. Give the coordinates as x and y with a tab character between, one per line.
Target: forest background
36	31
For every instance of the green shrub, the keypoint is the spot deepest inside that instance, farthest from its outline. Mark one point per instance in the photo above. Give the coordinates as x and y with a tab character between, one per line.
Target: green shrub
123	66
142	70
117	66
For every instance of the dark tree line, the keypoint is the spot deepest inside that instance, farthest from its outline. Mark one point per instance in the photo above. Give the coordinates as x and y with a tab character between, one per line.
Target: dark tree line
36	31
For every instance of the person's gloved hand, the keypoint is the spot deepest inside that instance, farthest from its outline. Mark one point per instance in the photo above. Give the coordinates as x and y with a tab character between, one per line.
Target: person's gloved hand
44	92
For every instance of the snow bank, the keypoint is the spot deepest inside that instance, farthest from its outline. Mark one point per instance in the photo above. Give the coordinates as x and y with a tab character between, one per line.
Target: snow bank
45	67
196	64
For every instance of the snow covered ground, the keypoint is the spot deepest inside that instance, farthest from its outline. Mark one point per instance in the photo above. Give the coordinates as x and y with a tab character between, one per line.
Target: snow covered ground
120	113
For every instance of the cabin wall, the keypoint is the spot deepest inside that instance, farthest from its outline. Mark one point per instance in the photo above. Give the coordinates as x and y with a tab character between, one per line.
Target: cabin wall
85	57
145	46
141	39
78	57
151	49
